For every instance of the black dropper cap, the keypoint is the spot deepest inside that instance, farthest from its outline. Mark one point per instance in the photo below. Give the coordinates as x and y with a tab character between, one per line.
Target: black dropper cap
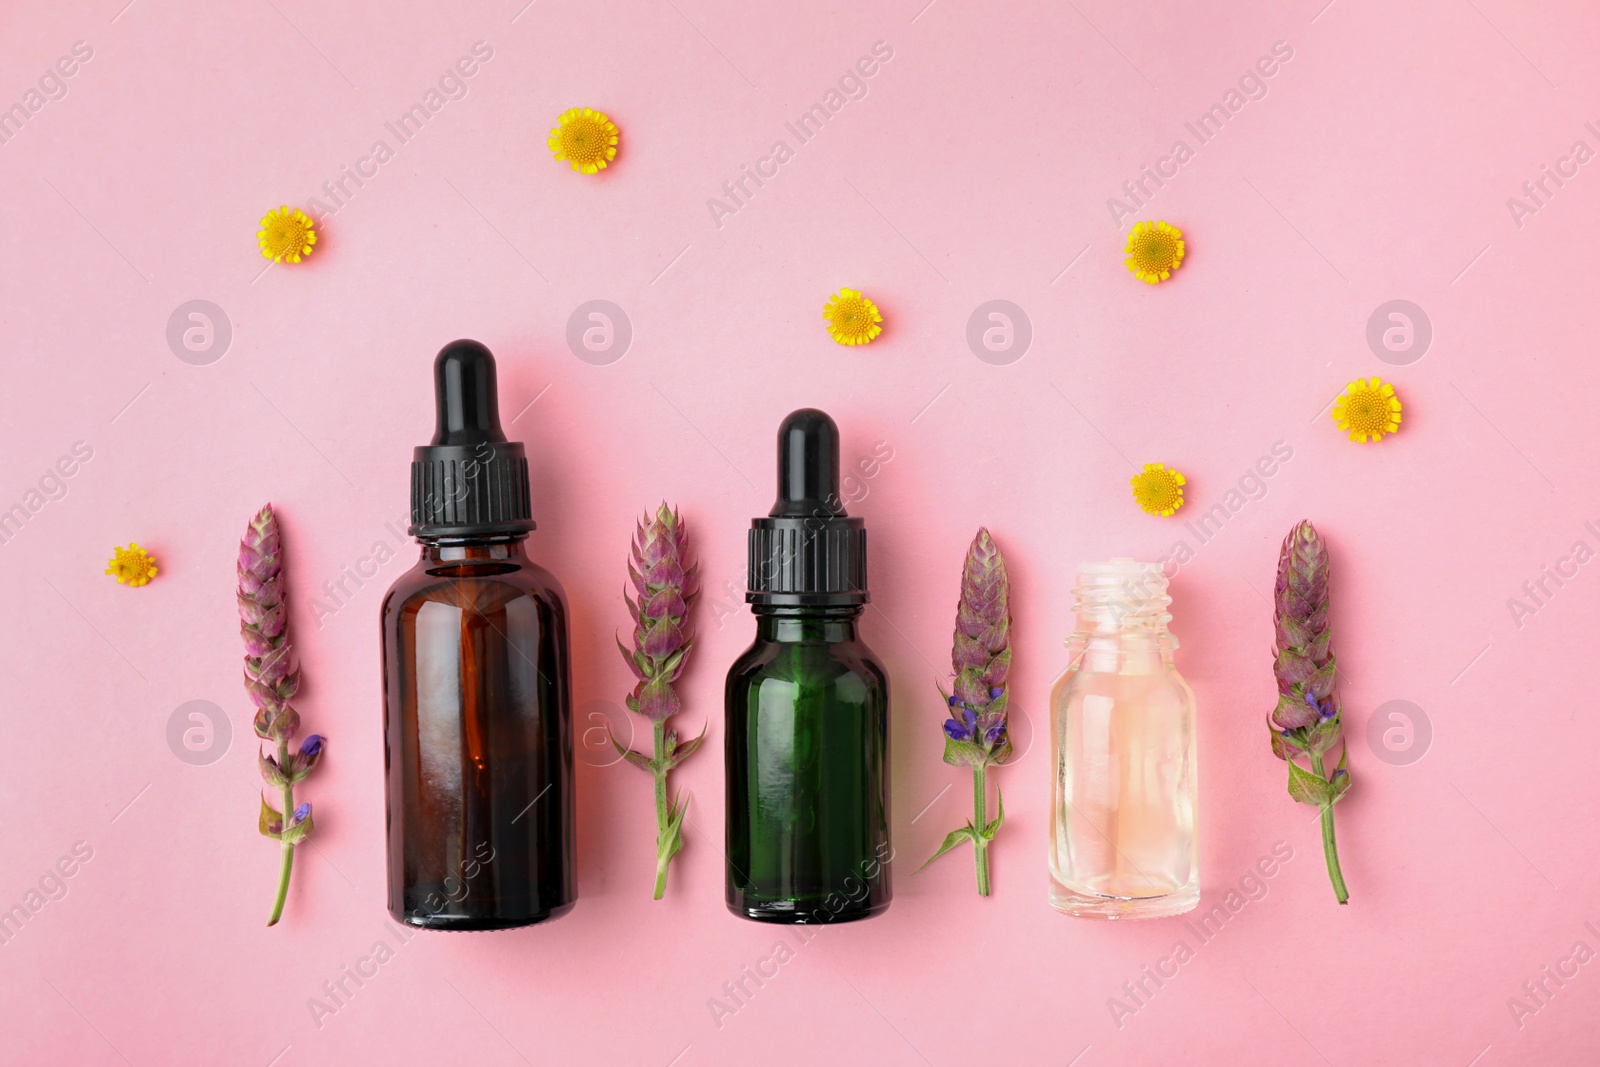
808	551
470	481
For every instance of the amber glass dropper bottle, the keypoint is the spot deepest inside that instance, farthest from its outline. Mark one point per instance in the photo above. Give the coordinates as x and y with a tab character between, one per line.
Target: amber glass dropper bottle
477	716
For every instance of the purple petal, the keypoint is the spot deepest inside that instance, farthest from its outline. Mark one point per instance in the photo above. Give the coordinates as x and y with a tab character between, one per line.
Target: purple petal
633	664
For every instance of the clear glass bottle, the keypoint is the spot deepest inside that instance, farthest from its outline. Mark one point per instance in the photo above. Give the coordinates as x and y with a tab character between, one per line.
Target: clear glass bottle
1122	834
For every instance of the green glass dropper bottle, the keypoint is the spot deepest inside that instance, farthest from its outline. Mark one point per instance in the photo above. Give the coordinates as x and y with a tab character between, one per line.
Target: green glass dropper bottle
807	730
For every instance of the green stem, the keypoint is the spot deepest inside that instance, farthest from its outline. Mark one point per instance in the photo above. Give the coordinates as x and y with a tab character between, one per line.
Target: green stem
659	770
288	847
1330	848
980	844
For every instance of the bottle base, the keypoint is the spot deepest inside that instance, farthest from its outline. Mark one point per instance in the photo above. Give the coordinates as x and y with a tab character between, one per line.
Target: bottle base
471	923
806	912
1114	908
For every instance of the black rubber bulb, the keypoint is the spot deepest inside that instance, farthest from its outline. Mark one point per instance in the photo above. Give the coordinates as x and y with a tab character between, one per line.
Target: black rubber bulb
465	392
808	466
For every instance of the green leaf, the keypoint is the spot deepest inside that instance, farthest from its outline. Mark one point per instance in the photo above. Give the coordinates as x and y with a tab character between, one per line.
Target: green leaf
670	841
629	654
1340	782
1283	744
299	831
963	753
270	822
1000	664
672	663
1324	735
1322	680
1306	787
686	749
639	760
954	838
277	721
999	818
1290	709
270	771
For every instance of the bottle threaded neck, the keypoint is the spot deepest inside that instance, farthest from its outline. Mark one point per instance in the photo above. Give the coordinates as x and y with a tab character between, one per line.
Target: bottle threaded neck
1121	595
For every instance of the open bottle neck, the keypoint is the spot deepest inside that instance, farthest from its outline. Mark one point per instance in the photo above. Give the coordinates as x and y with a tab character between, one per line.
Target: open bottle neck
1122	617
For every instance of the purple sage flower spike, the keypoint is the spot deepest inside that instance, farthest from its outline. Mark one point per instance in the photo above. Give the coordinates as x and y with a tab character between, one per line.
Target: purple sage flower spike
271	682
1306	721
664	590
975	733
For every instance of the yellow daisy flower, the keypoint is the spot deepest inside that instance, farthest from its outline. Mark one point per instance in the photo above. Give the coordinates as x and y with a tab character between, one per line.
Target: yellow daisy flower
1158	489
1155	249
286	235
584	138
852	318
132	565
1367	410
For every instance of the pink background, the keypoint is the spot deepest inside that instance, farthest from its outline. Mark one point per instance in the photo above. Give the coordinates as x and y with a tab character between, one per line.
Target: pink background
978	166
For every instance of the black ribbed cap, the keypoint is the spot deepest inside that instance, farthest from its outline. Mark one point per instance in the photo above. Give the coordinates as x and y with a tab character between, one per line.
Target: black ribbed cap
808	551
470	481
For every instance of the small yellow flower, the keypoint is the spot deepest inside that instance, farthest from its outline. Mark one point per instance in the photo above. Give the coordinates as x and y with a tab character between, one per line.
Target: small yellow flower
584	138
132	565
1155	249
1367	410
852	318
1158	489
286	235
